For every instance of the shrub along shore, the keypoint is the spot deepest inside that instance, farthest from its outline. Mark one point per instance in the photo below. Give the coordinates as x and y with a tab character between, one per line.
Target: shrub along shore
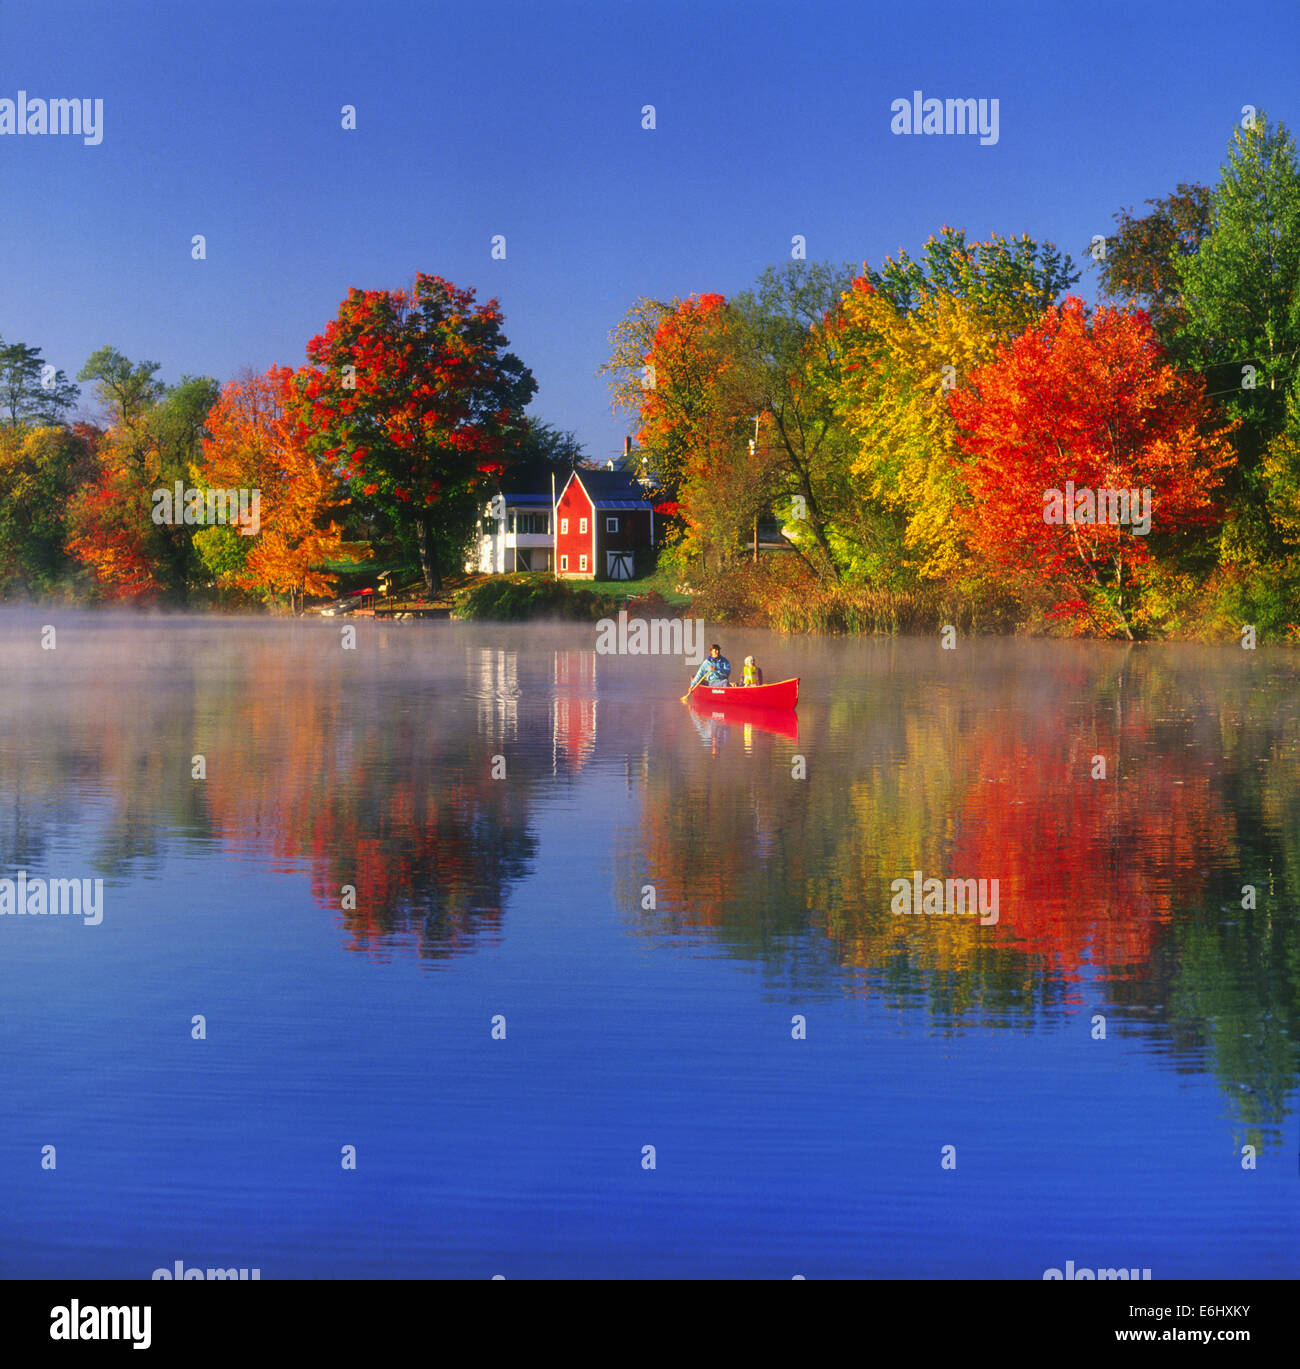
782	599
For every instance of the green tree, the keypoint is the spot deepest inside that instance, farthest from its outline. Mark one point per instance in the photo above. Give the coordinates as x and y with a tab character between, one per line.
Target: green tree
32	392
786	364
1241	292
175	428
1000	267
127	390
542	448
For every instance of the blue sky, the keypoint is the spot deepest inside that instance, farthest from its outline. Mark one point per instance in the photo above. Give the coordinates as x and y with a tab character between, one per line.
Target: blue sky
524	119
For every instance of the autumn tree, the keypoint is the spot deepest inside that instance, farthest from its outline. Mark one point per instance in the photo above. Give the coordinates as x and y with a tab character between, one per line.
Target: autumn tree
631	379
414	399
40	471
1094	402
665	369
109	534
1266	590
153	439
1281	467
1139	263
251	443
910	332
697	429
732	481
707	377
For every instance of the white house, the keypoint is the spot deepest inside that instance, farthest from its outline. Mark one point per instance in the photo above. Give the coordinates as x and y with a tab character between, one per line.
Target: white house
514	534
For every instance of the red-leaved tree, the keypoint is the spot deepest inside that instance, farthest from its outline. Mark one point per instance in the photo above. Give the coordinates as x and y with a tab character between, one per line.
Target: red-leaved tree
1071	413
414	399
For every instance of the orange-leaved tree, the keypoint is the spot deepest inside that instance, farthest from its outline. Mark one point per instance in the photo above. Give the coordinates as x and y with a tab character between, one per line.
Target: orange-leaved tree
673	369
1088	447
109	534
668	366
252	444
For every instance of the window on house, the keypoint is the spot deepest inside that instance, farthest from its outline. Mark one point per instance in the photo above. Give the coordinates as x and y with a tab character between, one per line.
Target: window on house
564	563
533	522
582	563
564	525
582	525
611	525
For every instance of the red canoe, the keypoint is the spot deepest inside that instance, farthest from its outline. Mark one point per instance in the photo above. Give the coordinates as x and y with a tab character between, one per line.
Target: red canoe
783	694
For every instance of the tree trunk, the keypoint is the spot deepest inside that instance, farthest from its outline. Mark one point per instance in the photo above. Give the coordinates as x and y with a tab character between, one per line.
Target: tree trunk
795	458
819	532
1096	580
428	557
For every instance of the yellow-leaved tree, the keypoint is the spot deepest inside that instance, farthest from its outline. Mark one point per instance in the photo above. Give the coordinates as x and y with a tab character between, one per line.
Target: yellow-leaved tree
910	332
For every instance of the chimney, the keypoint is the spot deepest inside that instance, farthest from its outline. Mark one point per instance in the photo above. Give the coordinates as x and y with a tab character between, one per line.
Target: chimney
627	446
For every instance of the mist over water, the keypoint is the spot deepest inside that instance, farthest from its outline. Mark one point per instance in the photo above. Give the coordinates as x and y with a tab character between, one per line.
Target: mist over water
649	896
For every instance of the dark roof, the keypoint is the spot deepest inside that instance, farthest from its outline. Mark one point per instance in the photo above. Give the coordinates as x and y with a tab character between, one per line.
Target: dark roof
517	500
622	503
603	485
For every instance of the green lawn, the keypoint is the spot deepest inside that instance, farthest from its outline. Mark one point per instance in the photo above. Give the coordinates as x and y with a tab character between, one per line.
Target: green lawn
634	589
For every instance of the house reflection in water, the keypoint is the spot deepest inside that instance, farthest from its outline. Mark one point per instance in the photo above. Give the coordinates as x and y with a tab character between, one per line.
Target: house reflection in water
494	680
573	710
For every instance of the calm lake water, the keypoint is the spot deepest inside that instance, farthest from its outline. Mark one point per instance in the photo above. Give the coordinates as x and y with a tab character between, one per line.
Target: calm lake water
648	897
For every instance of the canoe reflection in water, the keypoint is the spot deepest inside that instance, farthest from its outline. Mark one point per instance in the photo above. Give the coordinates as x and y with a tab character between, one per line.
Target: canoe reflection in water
714	719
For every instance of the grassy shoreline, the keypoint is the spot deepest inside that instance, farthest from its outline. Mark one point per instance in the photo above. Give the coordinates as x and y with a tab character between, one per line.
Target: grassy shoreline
745	598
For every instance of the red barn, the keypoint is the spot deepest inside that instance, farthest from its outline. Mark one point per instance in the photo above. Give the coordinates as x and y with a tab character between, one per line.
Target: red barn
602	518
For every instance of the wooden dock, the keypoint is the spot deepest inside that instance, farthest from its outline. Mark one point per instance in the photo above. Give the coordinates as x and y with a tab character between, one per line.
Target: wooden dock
414	609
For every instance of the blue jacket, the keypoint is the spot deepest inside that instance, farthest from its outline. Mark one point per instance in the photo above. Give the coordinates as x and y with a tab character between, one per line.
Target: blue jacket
713	672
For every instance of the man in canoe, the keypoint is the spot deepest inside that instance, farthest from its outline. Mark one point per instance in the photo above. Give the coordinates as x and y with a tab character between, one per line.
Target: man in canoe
714	671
